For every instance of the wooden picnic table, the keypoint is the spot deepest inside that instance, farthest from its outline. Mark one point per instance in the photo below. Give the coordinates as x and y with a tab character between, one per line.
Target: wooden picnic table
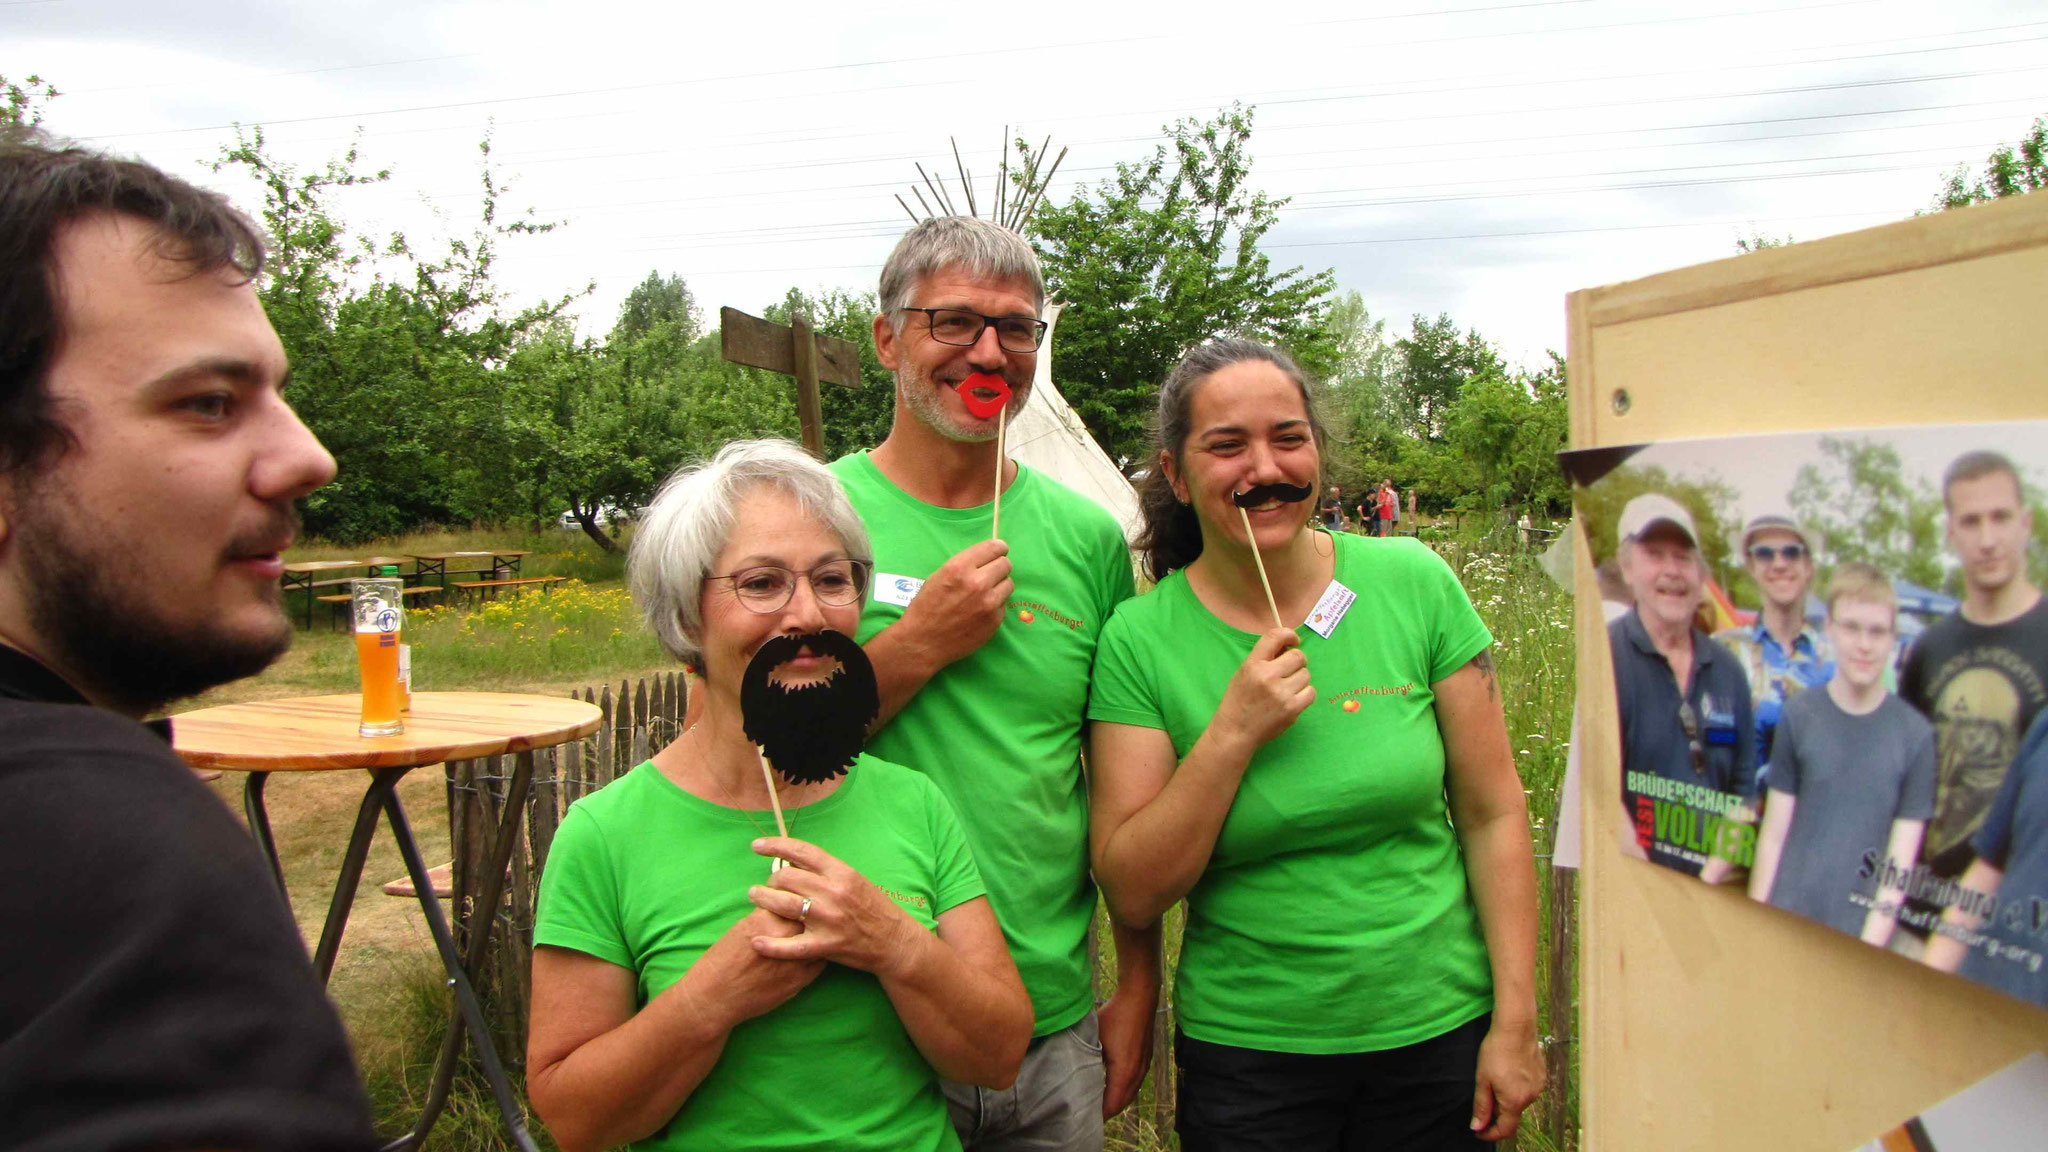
319	734
300	576
435	564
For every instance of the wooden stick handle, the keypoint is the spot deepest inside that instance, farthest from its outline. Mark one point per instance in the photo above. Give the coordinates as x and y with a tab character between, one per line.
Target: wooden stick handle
774	802
1261	562
996	526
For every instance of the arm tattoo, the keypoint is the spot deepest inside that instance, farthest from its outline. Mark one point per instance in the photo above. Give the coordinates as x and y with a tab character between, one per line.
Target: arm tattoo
1484	662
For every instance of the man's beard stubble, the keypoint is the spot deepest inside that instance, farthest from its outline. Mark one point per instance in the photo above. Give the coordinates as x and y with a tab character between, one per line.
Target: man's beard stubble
926	398
101	632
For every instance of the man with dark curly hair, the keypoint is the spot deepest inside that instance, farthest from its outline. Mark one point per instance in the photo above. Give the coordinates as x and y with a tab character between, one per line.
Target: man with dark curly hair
154	989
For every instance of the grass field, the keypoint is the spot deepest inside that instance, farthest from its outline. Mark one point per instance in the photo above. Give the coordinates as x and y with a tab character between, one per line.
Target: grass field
585	633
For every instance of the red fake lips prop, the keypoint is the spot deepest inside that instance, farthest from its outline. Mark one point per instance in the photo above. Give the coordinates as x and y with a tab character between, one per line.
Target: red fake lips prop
984	406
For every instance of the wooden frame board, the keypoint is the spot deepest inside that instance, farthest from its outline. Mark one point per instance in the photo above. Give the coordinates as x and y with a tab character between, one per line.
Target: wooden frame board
1710	1021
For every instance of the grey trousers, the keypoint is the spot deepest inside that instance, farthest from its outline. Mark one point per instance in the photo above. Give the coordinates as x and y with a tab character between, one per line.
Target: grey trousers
1055	1105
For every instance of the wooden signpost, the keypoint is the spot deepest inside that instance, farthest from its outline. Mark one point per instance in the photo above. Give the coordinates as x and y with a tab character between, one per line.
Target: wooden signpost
792	350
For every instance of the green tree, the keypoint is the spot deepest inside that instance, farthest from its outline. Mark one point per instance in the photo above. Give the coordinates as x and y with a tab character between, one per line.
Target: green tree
656	299
1161	257
1711	502
1757	242
1362	403
2009	171
855	418
1436	363
21	105
1858	504
398	376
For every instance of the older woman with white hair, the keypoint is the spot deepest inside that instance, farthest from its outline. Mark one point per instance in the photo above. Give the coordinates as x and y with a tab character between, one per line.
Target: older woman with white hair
681	996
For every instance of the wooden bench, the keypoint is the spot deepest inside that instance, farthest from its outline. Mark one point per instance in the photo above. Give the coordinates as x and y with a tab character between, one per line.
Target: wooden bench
486	588
343	598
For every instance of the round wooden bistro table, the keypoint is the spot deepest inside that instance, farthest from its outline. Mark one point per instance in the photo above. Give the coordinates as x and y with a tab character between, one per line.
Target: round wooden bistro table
318	734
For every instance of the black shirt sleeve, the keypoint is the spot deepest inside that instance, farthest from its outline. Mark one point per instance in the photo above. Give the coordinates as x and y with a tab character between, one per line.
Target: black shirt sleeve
154	990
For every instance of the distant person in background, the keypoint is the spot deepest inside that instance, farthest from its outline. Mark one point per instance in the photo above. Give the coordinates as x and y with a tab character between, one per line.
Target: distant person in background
1393	509
1390	508
1781	653
1852	773
1683	700
1981	674
1369	513
1333	510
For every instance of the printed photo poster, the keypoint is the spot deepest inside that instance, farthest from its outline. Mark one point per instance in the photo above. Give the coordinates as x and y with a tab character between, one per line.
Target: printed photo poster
1830	658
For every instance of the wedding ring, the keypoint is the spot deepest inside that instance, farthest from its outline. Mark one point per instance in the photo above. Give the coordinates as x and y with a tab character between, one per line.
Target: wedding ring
803	910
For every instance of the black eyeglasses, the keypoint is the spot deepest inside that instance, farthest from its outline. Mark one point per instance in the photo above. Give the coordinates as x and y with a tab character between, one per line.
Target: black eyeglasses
768	587
1765	553
961	328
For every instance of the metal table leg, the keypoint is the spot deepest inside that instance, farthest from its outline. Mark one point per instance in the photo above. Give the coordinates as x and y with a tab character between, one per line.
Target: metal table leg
259	826
469	1015
383	782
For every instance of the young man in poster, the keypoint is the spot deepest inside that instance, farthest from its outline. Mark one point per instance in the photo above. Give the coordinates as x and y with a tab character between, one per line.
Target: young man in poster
1851	777
2006	887
1781	653
982	648
1981	674
1688	735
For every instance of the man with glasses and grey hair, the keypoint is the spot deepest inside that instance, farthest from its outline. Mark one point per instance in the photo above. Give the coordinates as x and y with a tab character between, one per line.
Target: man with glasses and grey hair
982	648
1683	700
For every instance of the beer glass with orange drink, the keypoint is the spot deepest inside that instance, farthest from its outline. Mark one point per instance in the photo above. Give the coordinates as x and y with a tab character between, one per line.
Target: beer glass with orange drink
379	616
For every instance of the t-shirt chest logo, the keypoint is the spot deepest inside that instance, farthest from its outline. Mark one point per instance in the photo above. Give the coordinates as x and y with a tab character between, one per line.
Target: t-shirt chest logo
1348	701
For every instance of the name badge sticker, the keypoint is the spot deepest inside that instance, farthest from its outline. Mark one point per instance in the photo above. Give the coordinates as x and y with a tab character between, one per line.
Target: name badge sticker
898	590
1336	601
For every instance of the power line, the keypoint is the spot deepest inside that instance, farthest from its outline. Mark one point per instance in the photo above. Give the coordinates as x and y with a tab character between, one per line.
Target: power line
1470	142
839	133
956	56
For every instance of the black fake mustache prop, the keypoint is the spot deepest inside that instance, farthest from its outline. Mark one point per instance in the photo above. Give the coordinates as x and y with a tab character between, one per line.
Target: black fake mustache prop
1252	497
810	732
1258	494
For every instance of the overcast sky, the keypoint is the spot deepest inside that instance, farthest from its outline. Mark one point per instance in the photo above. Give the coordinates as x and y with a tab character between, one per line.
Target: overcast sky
1468	157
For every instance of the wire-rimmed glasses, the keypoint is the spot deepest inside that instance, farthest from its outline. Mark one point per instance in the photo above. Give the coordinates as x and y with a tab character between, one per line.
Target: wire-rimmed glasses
766	588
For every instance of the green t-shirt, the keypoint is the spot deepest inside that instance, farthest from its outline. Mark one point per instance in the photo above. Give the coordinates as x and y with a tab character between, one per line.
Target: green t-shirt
1333	916
647	876
1000	731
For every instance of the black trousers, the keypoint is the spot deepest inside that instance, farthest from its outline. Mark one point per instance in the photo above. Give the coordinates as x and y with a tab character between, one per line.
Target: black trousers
1412	1099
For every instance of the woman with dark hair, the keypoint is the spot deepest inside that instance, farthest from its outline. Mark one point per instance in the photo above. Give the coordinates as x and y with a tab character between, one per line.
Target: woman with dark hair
1359	961
684	997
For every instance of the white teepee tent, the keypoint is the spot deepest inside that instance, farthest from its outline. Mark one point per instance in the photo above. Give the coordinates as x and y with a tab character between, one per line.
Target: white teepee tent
1048	435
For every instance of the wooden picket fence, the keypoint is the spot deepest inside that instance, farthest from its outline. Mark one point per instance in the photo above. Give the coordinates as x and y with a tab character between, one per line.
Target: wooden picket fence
641	719
638	720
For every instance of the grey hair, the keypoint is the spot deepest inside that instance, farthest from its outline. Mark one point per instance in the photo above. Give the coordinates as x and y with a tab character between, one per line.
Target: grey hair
691	520
986	249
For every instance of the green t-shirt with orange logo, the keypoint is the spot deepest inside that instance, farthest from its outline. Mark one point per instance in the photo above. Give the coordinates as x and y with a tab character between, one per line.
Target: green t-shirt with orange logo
646	876
1334	914
1000	730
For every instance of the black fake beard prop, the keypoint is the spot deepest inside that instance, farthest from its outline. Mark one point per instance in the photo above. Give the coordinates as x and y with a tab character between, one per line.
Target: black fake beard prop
810	732
1258	494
